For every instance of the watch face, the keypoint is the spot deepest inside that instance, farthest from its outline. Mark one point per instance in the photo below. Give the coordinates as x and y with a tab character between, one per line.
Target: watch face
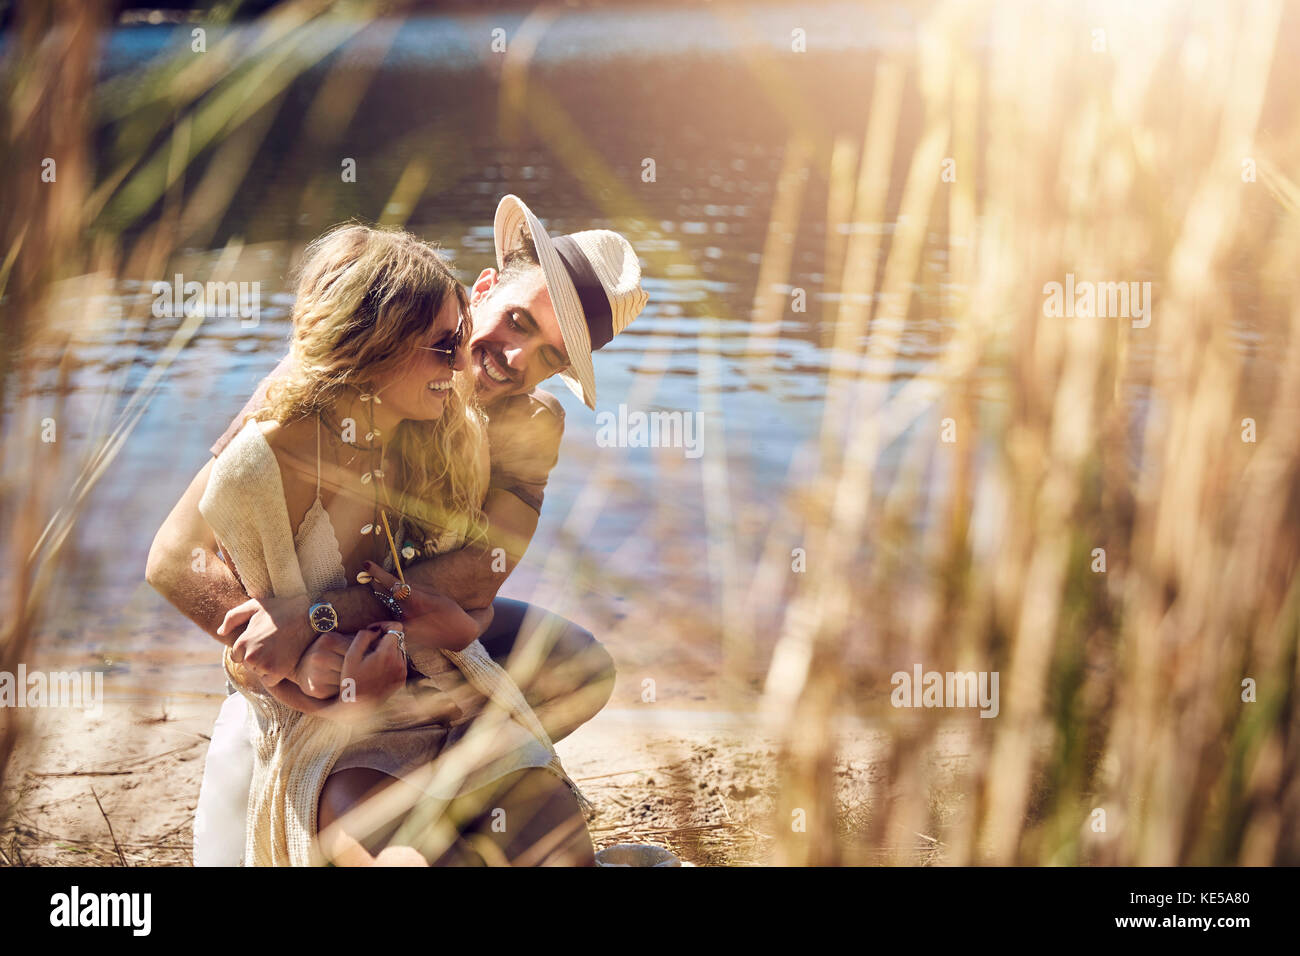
323	618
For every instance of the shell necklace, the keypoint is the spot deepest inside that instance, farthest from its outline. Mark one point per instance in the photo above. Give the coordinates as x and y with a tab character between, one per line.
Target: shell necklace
374	477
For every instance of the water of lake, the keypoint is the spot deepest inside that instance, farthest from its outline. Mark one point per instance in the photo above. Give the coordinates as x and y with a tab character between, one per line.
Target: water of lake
713	99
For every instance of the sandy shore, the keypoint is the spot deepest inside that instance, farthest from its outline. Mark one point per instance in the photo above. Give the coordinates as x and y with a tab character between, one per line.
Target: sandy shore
122	787
690	771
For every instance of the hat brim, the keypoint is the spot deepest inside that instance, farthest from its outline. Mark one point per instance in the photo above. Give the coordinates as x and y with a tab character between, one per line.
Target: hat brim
511	215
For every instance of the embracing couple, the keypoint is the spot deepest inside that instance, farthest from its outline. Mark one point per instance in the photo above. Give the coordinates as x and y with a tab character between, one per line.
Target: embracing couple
347	542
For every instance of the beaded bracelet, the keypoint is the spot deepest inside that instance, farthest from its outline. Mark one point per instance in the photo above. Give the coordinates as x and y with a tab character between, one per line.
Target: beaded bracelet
393	606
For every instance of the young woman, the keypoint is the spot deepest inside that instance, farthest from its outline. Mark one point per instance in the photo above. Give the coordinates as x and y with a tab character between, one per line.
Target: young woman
375	444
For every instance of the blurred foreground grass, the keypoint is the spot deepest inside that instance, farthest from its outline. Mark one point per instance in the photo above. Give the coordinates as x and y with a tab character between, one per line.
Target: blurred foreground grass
1116	535
1103	512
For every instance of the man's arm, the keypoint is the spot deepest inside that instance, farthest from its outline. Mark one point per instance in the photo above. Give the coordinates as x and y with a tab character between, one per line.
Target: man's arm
184	568
471	576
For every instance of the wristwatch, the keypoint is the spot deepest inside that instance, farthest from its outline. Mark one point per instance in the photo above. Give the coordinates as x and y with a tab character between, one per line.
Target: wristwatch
323	617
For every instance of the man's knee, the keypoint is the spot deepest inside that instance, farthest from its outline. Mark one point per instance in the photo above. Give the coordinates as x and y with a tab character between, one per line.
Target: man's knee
576	678
596	663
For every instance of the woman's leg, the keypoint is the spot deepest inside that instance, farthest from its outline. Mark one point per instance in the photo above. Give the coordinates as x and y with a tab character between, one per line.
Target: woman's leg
527	818
219	819
347	789
342	792
575	679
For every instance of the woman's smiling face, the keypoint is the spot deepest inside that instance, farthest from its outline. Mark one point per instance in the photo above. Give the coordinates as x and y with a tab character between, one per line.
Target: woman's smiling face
419	389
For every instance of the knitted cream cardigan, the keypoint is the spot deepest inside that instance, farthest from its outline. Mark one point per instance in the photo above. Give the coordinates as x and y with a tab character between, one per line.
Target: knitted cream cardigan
244	504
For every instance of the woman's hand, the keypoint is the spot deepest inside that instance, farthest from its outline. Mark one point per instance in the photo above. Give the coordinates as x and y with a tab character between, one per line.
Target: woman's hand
345	850
278	632
374	669
399	856
320	670
431	620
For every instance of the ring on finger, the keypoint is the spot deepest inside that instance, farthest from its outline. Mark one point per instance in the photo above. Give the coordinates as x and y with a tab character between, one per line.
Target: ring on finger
401	639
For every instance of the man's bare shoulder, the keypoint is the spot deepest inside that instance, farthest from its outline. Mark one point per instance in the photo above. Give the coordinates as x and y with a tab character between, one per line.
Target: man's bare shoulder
535	405
535	419
524	433
545	400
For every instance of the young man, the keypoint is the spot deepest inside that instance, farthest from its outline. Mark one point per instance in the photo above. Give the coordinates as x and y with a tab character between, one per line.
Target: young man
548	305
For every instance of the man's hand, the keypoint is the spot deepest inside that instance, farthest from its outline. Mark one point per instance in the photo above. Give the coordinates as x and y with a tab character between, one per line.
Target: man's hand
278	632
320	670
482	618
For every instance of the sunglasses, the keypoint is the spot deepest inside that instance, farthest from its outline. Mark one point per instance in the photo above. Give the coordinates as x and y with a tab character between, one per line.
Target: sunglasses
450	343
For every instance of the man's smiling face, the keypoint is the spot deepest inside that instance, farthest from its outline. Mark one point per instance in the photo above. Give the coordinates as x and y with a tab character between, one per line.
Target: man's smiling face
516	342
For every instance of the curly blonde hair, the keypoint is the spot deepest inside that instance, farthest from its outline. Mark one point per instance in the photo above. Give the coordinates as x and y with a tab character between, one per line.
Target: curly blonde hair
364	296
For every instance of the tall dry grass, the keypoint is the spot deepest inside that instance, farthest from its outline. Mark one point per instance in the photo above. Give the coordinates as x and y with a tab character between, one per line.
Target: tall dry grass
115	204
1128	690
48	80
1121	690
1148	711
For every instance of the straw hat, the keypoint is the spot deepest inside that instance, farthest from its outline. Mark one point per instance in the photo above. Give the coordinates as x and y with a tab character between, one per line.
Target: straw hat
595	283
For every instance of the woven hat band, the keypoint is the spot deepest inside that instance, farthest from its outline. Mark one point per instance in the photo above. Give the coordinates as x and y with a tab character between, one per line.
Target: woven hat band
595	303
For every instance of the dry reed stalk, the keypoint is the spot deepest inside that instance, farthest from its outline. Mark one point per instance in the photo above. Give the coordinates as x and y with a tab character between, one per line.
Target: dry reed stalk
64	244
1191	773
